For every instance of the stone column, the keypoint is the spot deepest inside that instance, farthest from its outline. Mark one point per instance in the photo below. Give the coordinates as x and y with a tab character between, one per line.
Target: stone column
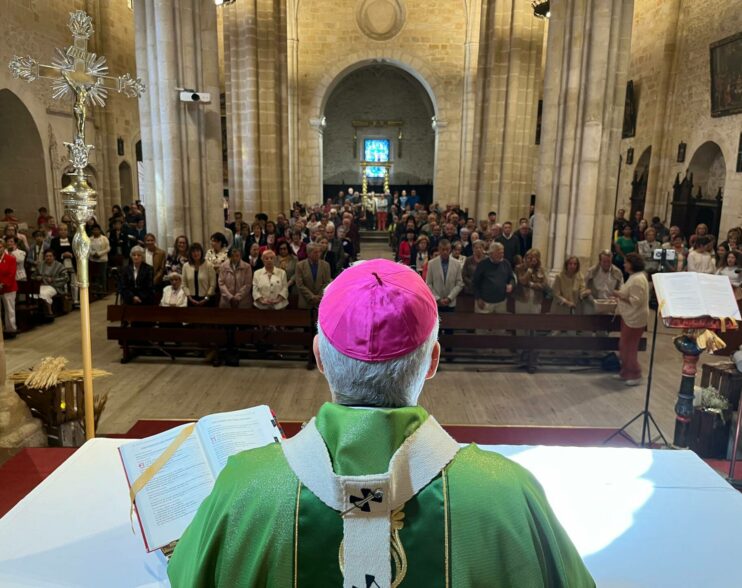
17	427
256	75
507	92
584	90
176	47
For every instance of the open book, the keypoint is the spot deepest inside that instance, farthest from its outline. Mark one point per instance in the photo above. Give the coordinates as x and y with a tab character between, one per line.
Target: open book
169	501
692	295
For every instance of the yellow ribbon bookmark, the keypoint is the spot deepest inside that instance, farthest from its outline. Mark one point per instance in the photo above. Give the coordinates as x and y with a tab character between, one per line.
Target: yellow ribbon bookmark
155	467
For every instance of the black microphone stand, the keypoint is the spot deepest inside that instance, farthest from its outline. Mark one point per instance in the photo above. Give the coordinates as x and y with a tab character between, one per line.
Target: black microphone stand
645	414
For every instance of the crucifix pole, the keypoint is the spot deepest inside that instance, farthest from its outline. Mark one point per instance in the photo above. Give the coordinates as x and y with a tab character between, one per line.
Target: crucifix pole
77	72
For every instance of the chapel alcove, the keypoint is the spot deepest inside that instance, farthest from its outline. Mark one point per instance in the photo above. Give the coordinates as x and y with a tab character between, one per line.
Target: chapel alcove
698	197
23	186
379	112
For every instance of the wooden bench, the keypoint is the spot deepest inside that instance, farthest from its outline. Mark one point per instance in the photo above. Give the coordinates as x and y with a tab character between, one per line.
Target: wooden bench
465	334
225	332
28	310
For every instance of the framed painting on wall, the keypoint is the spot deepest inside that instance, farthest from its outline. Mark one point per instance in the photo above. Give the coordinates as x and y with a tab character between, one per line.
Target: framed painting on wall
726	76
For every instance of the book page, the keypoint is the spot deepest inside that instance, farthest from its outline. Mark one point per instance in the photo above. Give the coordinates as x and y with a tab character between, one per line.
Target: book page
718	296
227	433
679	295
168	503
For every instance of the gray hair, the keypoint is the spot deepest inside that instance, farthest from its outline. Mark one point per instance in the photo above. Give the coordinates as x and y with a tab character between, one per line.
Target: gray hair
394	383
330	225
136	249
494	246
312	247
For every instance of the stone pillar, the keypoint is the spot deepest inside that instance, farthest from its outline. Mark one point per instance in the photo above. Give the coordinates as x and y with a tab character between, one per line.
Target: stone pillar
584	90
255	64
507	92
17	427
176	47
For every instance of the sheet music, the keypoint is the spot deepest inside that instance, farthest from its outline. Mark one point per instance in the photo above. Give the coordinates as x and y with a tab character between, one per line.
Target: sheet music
718	296
227	433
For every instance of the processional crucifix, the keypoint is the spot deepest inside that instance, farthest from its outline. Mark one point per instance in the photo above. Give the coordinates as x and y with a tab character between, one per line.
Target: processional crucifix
77	72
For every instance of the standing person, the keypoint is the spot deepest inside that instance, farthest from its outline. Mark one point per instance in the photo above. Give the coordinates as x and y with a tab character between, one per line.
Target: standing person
602	280
444	278
99	250
118	241
509	242
422	253
525	237
11	245
382	204
8	286
62	248
492	282
470	265
731	268
137	286
646	249
700	259
235	282
297	245
312	277
328	256
529	297
407	249
199	277
335	244
633	306
155	258
270	289
624	245
36	251
569	288
175	261
217	253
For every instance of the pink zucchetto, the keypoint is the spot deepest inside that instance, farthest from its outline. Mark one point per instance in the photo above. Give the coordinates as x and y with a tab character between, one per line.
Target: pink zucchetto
377	310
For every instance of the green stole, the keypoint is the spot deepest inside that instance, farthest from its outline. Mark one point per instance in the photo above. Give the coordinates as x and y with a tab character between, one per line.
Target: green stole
362	442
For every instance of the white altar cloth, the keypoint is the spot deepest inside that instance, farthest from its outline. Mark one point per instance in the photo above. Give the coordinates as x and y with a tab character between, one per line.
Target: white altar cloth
638	517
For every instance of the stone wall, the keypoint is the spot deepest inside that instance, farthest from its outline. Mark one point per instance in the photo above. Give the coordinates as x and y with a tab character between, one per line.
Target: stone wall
418	38
36	28
379	92
671	71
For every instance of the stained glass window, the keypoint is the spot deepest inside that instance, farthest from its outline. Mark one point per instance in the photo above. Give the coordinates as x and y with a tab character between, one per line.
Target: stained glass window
375	171
376	150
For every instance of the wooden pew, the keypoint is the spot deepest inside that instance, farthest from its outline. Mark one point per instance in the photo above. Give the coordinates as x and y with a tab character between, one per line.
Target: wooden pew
463	333
284	334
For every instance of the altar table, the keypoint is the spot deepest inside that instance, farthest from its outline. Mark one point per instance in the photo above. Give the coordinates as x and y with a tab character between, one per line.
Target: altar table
639	517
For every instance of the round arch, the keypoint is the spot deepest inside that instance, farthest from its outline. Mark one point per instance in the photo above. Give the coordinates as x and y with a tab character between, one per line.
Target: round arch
411	64
22	159
708	167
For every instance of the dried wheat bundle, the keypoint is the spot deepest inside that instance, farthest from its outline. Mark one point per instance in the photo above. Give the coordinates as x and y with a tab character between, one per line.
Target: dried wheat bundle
49	372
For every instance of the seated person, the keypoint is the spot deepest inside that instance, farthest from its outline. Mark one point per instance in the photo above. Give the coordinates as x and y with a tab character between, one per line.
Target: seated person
325	508
53	278
136	285
174	295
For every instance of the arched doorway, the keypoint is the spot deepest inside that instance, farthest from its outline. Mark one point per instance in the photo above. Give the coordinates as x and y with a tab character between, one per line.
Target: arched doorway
126	188
23	187
378	113
698	198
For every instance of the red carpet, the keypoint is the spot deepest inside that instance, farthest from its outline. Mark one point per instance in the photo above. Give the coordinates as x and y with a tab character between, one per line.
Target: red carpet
26	470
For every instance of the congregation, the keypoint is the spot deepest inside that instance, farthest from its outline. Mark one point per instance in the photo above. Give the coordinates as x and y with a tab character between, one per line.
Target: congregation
478	265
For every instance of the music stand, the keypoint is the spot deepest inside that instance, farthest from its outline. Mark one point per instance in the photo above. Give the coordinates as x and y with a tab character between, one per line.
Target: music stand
645	414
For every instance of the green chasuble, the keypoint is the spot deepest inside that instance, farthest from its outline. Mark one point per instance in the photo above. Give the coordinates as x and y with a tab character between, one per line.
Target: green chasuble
484	521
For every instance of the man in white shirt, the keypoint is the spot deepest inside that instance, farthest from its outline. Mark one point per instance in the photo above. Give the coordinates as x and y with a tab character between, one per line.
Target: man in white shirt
603	279
444	278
